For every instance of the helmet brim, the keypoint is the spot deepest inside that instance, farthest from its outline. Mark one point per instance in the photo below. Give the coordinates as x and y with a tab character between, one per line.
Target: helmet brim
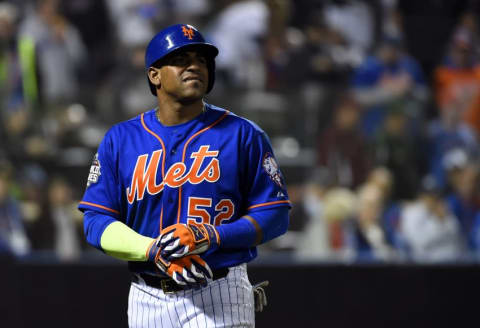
209	49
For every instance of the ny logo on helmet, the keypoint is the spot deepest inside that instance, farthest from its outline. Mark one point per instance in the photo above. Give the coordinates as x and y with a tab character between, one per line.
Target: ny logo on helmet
188	32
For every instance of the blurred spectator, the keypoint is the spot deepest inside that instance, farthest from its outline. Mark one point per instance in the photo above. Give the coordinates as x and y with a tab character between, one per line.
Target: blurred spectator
326	233
67	220
457	80
193	12
369	235
382	178
321	54
92	20
463	198
342	149
388	76
317	63
237	31
32	183
339	206
134	98
353	20
13	238
58	49
52	220
445	133
430	230
278	45
475	237
468	27
132	20
391	20
313	240
18	87
398	149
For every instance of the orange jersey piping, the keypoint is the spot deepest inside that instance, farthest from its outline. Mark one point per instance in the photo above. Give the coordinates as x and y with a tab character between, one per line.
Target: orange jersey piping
100	206
161	143
269	203
163	159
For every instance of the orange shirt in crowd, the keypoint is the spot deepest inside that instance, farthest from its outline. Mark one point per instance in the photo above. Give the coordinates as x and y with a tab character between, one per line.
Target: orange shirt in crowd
459	89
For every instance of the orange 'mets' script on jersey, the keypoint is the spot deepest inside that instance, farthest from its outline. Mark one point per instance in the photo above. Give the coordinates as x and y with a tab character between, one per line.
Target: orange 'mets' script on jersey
144	177
188	32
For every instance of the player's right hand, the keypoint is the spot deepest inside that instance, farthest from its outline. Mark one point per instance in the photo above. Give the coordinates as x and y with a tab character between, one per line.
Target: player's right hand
188	271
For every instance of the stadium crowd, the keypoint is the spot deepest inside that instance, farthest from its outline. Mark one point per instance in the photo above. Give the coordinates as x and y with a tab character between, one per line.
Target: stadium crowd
373	109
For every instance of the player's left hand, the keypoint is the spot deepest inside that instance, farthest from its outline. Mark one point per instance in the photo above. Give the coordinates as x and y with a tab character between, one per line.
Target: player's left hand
180	240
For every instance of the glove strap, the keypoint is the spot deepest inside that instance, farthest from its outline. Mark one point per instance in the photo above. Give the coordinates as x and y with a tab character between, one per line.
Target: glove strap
153	255
162	264
212	235
152	251
198	234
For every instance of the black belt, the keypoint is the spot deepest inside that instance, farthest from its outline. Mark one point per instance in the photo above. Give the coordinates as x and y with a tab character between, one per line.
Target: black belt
168	285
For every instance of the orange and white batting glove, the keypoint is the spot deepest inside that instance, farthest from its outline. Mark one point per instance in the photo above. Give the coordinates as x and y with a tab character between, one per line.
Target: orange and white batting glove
189	271
180	240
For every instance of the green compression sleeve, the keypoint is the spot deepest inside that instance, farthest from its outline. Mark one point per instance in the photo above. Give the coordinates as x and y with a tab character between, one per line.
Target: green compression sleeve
120	241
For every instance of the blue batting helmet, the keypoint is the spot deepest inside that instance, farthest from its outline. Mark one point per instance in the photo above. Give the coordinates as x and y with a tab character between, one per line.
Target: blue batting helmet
178	37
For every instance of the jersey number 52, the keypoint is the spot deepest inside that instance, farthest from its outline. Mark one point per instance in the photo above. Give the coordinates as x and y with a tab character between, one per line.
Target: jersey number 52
198	213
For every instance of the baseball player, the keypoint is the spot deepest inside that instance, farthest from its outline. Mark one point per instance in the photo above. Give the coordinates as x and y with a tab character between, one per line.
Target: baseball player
184	193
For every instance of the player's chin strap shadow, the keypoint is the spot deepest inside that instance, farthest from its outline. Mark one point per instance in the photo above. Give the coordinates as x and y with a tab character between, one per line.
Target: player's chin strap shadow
260	298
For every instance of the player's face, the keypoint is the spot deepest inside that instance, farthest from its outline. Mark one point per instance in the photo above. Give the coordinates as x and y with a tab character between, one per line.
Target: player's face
184	76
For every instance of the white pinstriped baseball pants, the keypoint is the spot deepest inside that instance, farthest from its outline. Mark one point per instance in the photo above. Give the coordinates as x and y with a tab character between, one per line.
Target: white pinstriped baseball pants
225	302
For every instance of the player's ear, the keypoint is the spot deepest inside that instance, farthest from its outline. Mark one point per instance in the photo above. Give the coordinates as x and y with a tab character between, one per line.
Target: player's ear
154	76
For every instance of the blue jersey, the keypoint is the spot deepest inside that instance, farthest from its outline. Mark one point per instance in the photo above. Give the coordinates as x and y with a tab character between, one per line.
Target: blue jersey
212	169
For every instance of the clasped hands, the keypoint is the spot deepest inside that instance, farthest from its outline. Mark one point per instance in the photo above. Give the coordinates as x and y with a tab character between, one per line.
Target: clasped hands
176	253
